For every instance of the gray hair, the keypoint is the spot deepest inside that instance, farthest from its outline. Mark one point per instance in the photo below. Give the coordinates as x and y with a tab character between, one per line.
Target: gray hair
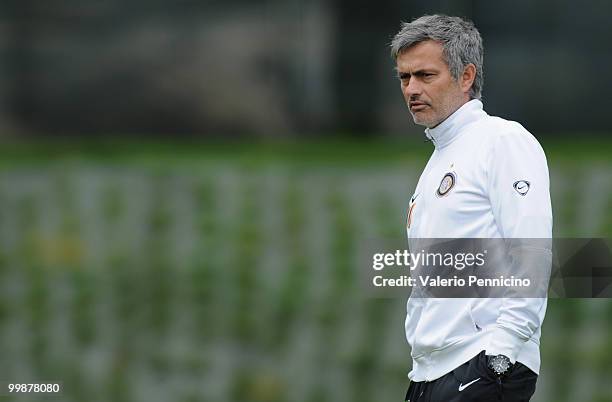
460	40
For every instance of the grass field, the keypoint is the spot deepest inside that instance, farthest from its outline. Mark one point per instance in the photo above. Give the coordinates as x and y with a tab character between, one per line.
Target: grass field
150	271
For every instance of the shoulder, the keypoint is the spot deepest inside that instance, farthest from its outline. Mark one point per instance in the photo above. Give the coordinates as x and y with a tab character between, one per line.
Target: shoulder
500	136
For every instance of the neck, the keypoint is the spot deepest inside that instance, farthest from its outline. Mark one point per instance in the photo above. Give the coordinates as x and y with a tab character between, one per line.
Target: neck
450	128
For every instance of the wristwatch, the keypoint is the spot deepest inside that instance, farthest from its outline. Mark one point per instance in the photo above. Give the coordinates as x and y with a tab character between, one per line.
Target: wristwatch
500	364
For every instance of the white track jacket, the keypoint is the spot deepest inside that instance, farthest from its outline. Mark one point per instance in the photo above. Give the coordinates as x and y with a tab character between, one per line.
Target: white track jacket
500	190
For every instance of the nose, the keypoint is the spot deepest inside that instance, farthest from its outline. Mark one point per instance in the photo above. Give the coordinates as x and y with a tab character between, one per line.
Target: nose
412	88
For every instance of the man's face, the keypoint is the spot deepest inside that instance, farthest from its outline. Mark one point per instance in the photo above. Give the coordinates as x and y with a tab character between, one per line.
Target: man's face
430	91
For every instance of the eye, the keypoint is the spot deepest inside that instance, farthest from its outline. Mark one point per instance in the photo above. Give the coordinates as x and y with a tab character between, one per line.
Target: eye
404	80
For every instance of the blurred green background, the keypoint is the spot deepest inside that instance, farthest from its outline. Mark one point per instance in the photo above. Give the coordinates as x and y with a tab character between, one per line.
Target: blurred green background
157	271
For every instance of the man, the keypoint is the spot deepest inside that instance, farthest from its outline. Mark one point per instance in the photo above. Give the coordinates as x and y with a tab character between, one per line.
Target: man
487	178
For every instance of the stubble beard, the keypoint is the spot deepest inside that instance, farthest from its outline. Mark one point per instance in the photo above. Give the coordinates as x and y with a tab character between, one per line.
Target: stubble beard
423	120
438	115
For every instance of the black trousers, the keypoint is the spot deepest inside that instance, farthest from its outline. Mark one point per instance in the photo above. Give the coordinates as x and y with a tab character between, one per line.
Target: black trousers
473	381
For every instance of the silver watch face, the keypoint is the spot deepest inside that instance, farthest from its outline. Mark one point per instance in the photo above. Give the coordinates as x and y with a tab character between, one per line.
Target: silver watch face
500	364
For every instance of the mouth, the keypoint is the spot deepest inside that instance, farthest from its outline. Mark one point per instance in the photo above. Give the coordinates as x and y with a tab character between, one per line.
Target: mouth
417	106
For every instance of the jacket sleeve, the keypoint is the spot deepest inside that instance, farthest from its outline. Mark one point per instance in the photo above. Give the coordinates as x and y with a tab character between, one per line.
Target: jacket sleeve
518	188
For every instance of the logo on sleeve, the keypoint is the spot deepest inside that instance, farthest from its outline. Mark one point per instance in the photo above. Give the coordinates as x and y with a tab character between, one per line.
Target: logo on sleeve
521	186
447	184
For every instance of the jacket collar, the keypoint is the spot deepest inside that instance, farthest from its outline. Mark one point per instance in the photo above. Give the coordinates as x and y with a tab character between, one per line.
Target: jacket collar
445	132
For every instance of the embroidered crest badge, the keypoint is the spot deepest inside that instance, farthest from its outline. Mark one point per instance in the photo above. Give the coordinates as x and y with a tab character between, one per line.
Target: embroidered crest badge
447	184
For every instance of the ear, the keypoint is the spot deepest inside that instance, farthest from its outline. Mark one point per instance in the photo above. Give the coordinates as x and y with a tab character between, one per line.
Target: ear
467	78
